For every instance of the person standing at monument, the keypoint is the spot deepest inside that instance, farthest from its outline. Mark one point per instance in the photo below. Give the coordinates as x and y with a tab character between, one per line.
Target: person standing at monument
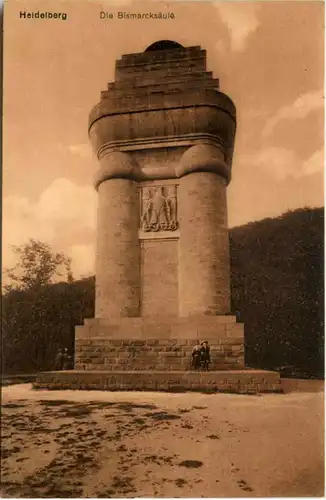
196	356
66	360
58	361
205	357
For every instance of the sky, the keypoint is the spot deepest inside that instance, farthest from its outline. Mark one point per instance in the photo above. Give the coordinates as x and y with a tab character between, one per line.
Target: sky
269	59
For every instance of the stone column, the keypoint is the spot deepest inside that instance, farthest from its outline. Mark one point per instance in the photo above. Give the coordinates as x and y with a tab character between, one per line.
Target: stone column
118	250
204	267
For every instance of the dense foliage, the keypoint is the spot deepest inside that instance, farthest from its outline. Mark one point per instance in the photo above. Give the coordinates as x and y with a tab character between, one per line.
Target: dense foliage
278	288
277	291
37	322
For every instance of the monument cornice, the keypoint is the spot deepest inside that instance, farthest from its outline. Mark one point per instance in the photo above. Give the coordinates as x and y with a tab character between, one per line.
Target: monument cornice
141	130
148	143
162	101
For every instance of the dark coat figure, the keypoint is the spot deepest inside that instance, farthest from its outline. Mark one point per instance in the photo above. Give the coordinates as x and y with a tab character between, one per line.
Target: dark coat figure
58	361
196	357
67	360
205	356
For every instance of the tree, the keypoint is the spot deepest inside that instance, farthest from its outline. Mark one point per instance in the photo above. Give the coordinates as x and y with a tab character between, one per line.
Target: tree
37	266
28	305
32	310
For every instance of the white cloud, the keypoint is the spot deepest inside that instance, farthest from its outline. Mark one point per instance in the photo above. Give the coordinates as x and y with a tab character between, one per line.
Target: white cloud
282	163
62	207
241	20
299	109
65	201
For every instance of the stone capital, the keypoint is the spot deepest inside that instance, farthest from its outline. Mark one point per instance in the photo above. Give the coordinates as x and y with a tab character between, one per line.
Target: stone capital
203	158
116	165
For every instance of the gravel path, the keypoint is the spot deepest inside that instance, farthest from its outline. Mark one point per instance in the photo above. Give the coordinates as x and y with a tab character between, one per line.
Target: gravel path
126	444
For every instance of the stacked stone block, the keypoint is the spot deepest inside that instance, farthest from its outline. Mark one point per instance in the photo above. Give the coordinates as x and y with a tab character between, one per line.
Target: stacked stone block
154	354
158	345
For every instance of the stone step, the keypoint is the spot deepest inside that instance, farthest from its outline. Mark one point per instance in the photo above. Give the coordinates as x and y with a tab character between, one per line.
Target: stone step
141	328
147	80
164	320
174	68
143	91
159	343
149	368
234	381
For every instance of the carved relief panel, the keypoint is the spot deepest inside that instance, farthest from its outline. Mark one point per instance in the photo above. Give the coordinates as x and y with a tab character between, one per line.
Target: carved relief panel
159	208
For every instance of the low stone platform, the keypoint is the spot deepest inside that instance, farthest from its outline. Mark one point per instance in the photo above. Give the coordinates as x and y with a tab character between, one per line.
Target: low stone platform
234	381
157	344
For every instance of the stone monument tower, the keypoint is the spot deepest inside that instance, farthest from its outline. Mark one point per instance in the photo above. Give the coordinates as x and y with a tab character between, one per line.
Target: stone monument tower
164	136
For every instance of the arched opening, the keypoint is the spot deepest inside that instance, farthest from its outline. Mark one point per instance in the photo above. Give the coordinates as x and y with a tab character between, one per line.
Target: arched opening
164	45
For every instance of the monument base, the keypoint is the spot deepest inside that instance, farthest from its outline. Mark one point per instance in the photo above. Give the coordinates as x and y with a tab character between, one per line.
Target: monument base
154	354
233	381
158	344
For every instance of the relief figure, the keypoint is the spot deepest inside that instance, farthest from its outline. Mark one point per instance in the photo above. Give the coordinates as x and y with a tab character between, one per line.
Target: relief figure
159	219
159	209
172	207
147	210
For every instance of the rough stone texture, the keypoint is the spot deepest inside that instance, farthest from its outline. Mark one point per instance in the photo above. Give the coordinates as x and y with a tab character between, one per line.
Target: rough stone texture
204	267
118	250
159	277
161	344
153	354
237	381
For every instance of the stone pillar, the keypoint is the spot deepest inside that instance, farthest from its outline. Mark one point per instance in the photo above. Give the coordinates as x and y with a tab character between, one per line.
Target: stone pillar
204	267
118	250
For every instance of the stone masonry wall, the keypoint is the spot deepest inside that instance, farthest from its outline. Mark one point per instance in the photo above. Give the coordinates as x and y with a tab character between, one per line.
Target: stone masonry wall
153	354
159	277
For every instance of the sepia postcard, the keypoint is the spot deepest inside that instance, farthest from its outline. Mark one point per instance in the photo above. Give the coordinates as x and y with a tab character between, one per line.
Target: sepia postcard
162	248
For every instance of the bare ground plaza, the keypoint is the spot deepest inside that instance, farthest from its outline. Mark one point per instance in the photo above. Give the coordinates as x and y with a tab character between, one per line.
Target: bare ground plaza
145	444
